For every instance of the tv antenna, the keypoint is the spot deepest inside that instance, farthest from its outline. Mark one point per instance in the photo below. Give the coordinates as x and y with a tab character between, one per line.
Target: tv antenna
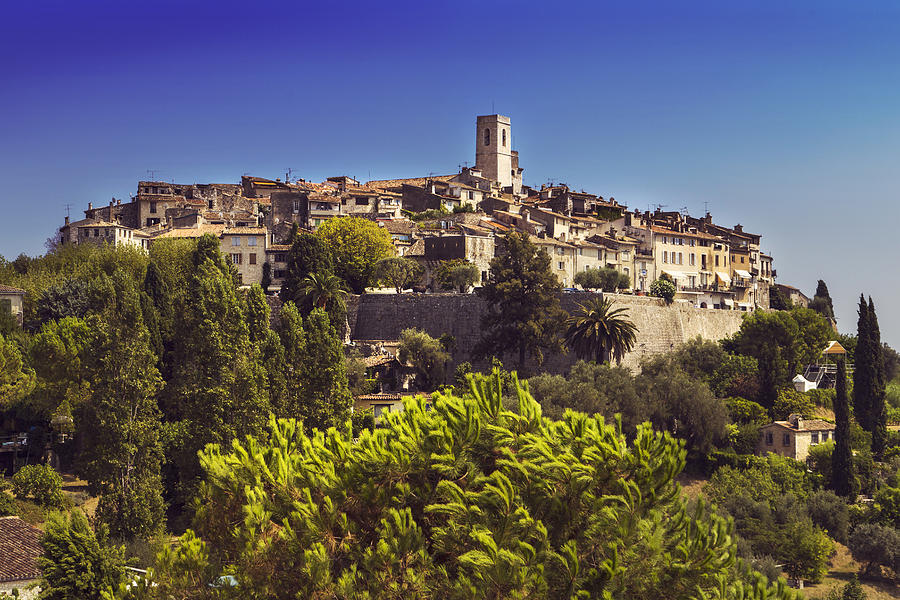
683	210
706	207
152	173
287	175
659	207
68	209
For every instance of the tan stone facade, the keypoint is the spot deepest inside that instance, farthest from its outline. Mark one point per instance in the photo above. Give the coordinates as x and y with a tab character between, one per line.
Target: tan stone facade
794	438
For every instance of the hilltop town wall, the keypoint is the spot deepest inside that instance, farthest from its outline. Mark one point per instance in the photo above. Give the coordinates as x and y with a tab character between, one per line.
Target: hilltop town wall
660	327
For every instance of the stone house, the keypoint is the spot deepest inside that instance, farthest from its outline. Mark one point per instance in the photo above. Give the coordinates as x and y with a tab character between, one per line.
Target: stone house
794	295
12	300
20	547
793	438
246	247
276	256
474	244
562	258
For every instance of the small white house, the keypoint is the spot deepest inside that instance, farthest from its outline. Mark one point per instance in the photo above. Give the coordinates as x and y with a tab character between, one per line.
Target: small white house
802	384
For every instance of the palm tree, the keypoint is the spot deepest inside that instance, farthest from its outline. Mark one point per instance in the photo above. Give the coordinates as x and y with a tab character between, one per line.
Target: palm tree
321	289
598	332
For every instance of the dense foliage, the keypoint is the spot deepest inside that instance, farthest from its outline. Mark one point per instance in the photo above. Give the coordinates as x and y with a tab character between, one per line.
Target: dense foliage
466	500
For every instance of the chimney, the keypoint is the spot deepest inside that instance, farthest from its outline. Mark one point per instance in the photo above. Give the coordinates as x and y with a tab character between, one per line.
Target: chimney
67	220
739	228
90	206
796	420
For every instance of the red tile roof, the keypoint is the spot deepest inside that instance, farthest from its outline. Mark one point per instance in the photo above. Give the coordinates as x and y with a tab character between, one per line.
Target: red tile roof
8	289
20	546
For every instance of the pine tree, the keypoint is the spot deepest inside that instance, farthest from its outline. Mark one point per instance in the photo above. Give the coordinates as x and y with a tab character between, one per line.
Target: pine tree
458	497
878	411
523	313
842	457
76	561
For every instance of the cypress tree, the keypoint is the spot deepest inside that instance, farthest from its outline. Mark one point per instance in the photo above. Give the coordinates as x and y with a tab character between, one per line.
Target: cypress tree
842	459
877	410
821	301
863	375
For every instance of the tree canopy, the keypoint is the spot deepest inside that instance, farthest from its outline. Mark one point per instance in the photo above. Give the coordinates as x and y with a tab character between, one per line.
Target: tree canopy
356	245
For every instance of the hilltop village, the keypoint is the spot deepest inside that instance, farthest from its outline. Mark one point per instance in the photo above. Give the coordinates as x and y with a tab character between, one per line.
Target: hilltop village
450	217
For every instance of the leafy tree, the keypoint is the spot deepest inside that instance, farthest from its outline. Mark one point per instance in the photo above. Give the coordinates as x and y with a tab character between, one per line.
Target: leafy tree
217	390
398	272
736	376
357	246
78	562
605	278
853	590
523	313
324	291
593	389
600	332
457	274
887	503
842	459
122	455
663	288
39	483
681	404
466	500
791	401
806	550
875	545
16	377
426	355
830	512
308	254
76	297
266	280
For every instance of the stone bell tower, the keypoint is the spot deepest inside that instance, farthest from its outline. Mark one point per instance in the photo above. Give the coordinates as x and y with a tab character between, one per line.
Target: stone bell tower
493	152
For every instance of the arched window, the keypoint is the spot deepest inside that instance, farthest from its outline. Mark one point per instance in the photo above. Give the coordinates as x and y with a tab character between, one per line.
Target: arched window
487	137
504	138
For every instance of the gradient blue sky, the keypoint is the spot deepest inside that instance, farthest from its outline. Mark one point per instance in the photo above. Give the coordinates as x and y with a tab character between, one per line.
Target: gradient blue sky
782	116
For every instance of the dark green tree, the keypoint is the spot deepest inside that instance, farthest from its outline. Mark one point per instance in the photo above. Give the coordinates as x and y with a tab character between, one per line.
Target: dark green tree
77	562
878	409
777	299
266	276
523	313
218	389
842	457
457	274
868	377
598	331
122	452
308	254
821	302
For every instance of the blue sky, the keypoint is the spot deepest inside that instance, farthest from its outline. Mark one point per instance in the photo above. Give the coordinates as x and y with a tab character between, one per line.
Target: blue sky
784	117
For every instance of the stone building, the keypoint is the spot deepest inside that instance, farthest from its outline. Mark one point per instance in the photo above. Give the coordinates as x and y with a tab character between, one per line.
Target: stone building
793	438
246	248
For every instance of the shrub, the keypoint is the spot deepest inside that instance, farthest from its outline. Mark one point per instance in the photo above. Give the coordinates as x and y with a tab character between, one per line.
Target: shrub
875	545
7	505
664	289
830	512
823	398
791	401
39	483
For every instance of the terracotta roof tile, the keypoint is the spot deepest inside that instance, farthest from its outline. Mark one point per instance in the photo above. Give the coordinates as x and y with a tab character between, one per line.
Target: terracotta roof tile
20	546
8	289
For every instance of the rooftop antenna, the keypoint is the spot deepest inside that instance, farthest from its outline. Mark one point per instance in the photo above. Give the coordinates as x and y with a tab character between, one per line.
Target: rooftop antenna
152	173
287	175
68	209
706	207
493	112
659	207
683	210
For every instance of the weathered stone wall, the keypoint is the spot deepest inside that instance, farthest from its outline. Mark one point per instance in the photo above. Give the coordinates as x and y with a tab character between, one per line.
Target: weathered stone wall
660	327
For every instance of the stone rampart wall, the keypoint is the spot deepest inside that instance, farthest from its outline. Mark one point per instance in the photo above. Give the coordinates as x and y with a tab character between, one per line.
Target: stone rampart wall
660	327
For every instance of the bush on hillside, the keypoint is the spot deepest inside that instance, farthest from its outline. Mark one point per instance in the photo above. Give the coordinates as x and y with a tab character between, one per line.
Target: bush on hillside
39	483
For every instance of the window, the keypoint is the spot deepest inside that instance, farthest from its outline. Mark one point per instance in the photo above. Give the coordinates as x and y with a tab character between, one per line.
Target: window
296	206
824	436
693	259
693	242
6	306
503	131
253	259
815	437
487	137
680	259
379	409
717	260
769	438
209	204
561	266
280	273
251	241
153	208
280	257
235	240
236	259
362	202
471	195
786	439
665	256
742	259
